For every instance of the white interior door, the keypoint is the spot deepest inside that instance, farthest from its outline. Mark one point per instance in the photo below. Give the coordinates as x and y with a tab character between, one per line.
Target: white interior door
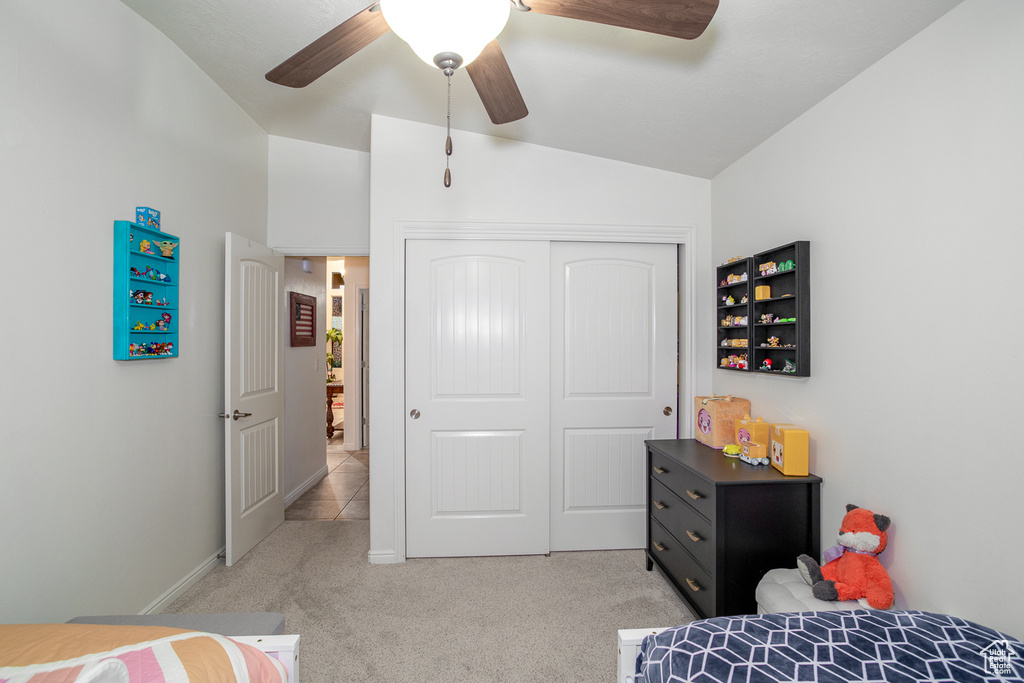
614	310
253	395
477	392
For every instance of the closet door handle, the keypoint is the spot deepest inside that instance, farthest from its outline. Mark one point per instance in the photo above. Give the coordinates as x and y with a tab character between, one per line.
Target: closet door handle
695	496
660	506
693	537
694	586
659	470
659	547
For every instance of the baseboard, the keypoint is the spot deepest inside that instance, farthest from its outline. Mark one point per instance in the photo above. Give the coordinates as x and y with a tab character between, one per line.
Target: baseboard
176	591
306	485
384	557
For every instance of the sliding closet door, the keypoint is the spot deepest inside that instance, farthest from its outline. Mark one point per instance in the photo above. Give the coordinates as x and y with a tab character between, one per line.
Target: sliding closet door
613	384
477	398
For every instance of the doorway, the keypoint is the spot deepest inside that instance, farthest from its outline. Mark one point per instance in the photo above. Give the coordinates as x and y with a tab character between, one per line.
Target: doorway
331	479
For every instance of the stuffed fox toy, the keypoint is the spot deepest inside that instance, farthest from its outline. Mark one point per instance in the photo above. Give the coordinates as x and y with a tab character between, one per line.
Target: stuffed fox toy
852	569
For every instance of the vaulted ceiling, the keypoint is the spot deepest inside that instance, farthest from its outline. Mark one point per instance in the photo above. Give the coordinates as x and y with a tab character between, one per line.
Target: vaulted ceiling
692	107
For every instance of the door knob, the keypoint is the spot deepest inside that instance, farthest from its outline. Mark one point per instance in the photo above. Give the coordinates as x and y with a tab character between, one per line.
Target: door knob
668	410
414	414
235	415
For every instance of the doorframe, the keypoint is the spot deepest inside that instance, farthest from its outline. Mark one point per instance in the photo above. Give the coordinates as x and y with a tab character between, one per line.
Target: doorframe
682	236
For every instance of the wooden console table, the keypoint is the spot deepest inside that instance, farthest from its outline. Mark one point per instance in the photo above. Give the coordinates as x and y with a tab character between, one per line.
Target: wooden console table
333	388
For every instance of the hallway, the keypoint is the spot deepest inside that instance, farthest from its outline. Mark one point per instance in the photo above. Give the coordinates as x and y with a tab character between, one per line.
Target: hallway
344	494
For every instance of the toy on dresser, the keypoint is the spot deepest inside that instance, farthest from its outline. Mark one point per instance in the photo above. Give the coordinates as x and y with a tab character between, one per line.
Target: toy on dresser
753	437
716	418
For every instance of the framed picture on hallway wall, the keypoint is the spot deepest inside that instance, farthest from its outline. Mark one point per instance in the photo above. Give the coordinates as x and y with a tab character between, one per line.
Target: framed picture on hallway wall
337	312
302	312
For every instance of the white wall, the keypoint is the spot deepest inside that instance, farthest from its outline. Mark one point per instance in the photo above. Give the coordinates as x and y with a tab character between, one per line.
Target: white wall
493	180
908	183
318	199
305	398
111	473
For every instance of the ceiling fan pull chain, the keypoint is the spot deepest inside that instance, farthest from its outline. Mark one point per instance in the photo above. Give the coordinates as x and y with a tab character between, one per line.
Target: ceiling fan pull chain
448	141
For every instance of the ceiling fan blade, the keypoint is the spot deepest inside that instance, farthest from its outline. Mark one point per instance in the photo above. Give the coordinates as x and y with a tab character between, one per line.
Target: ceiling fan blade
331	49
496	86
677	18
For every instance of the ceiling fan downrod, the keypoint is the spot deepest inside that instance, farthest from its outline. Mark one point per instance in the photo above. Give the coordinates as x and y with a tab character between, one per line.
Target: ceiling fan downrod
448	62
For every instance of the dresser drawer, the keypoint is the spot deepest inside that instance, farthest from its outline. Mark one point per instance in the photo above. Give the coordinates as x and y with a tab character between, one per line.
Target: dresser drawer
689	577
695	491
692	530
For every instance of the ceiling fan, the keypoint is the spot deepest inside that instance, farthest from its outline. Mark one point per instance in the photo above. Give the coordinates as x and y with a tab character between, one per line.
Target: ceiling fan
434	29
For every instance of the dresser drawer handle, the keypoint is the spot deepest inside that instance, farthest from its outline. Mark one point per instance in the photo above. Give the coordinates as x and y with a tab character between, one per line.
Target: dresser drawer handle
660	506
695	496
659	547
659	470
693	537
694	586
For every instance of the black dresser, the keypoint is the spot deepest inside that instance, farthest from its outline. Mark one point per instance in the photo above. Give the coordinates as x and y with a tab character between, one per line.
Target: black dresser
715	525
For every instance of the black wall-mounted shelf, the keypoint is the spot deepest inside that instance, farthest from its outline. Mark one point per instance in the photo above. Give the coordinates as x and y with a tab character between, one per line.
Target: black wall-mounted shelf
784	318
775	338
734	338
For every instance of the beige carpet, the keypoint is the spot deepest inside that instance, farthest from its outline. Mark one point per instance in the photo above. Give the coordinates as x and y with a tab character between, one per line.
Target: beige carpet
447	620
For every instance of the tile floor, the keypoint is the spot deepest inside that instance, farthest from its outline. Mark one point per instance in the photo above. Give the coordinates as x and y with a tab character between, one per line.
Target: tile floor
343	494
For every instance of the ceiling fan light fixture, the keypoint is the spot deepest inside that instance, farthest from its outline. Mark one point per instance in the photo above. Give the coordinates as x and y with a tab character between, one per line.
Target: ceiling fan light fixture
463	27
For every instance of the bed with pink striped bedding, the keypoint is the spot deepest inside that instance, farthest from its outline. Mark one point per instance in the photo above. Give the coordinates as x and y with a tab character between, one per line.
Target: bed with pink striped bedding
85	653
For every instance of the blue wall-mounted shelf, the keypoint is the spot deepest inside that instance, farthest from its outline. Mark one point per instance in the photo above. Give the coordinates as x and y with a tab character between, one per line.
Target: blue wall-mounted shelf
145	293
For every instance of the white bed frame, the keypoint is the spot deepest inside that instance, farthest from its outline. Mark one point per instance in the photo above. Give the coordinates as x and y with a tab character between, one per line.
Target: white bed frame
283	648
629	650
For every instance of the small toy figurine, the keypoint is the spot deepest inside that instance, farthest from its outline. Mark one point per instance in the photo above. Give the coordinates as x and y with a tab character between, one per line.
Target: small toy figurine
135	272
789	367
744	299
773	342
144	247
139	326
149	298
767	364
729	300
732	450
167	248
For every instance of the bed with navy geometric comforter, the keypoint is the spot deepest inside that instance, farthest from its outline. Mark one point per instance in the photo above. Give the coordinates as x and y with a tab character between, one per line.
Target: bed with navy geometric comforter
831	647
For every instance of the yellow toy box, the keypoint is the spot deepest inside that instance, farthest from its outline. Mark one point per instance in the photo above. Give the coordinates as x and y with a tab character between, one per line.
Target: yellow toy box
751	430
716	418
762	292
789	449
